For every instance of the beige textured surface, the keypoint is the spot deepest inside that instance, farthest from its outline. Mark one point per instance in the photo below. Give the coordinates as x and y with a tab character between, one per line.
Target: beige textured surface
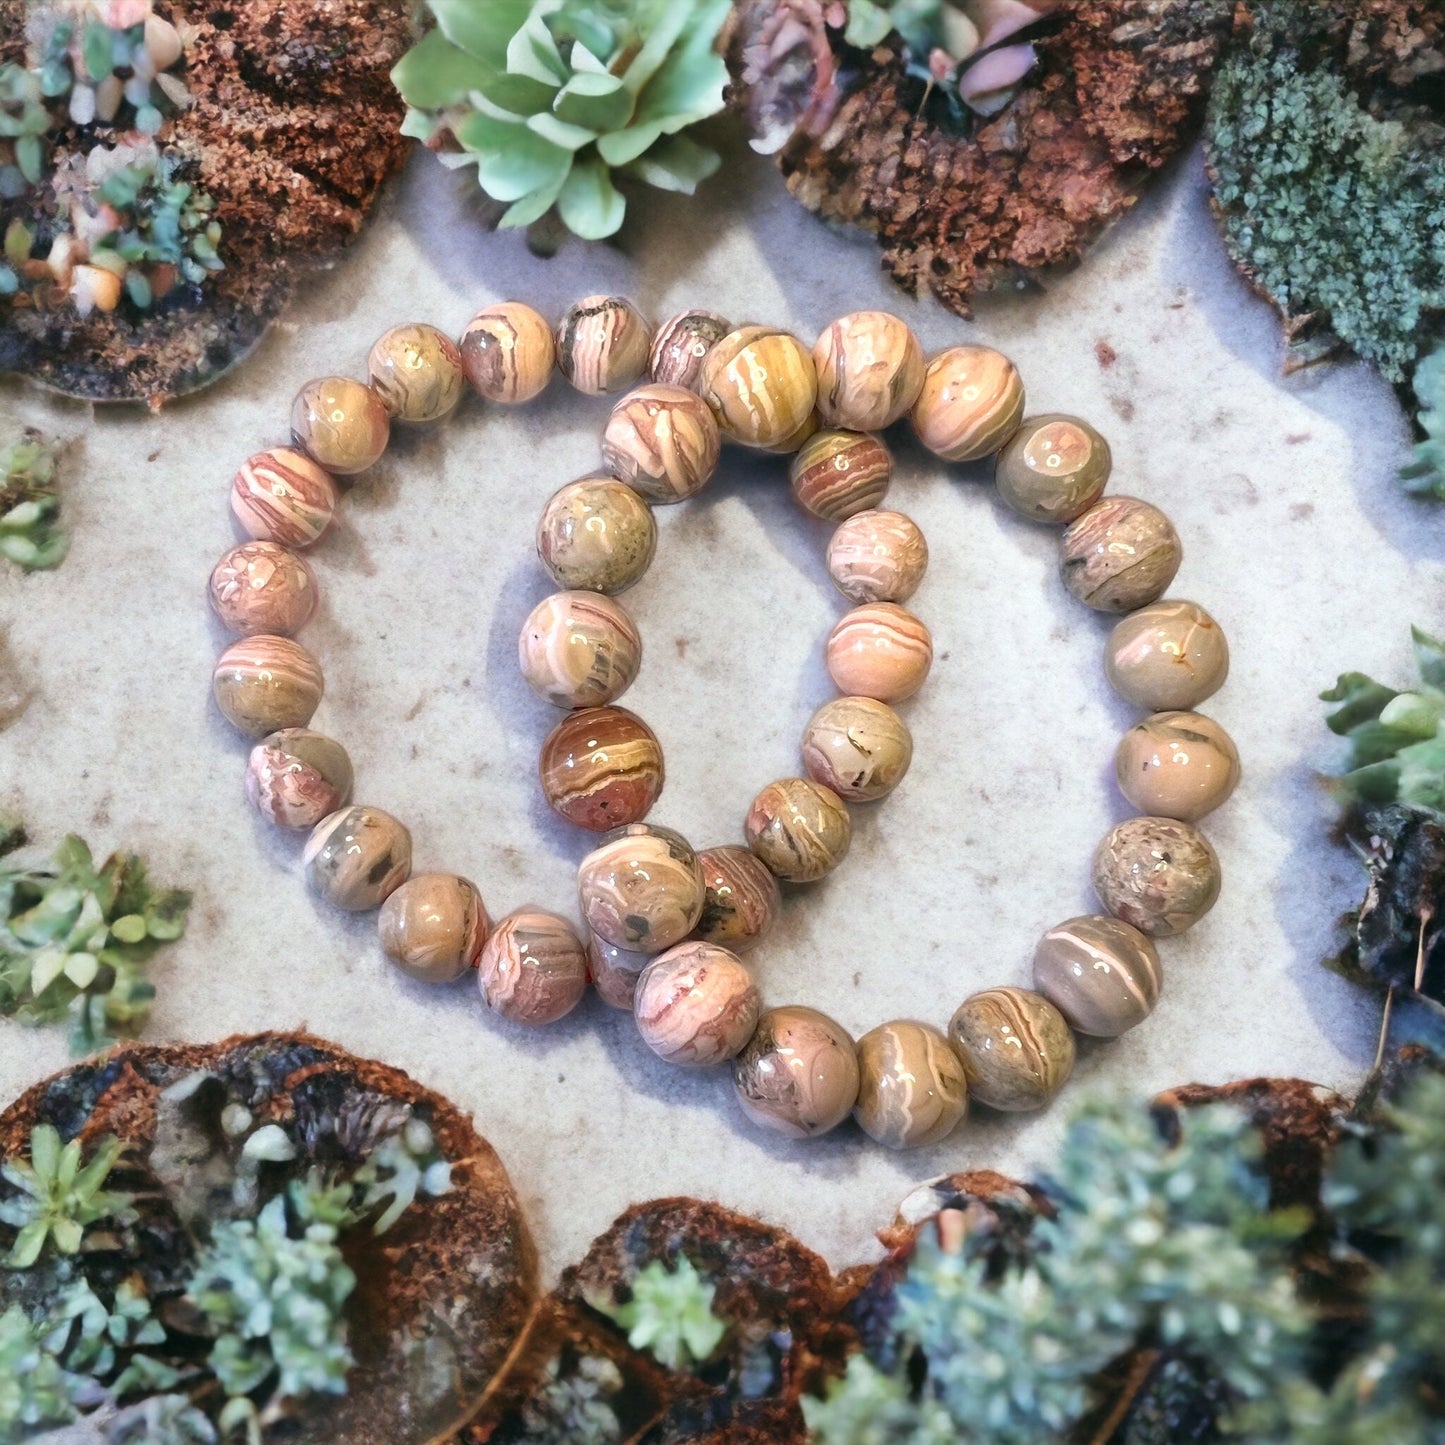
1295	538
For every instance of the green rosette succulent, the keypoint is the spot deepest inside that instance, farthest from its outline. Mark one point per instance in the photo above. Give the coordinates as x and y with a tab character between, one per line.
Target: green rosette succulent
548	98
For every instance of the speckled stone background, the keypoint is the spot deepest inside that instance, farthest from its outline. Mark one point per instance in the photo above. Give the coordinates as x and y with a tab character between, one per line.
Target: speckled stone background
1296	538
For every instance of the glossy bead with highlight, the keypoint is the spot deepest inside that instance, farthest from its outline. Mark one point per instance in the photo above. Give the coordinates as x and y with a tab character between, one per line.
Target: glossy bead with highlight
603	344
836	474
1157	874
681	344
696	1004
881	651
341	424
296	777
858	747
1053	468
579	649
533	967
911	1086
799	828
282	496
1171	654
614	971
1120	554
870	370
741	899
1177	765
1016	1047
596	535
877	557
761	386
601	767
416	370
798	1074
971	403
641	888
265	683
433	927
357	857
261	587
663	442
508	352
1102	975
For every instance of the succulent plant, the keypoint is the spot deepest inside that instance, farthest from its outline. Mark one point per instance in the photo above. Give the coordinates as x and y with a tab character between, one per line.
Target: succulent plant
58	1196
36	1389
548	98
1424	474
30	534
669	1314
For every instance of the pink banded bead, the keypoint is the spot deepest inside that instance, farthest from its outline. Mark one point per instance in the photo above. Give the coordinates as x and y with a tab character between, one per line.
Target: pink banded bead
282	496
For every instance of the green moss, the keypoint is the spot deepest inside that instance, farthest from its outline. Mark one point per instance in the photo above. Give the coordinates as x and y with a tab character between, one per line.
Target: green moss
669	1314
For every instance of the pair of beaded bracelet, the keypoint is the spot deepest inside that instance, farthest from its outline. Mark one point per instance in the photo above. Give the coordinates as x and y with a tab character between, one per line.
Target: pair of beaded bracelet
667	924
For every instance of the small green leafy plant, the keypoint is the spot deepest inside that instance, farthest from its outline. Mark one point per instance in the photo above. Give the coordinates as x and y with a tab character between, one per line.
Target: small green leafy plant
1425	473
669	1314
58	1195
30	533
549	99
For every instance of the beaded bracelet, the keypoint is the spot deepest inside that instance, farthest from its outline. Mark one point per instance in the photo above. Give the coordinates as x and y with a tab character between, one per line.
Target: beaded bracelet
667	924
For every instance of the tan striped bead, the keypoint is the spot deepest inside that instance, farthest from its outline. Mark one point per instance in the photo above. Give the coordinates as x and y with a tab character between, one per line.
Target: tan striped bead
508	352
681	343
340	423
878	557
603	344
858	747
1157	874
836	474
971	403
912	1091
261	587
533	967
1171	654
799	828
433	927
879	650
870	370
641	888
1177	765
296	777
741	899
596	535
696	1004
601	767
1016	1048
282	496
265	683
1102	975
416	370
798	1074
1053	468
761	386
579	649
357	858
1120	554
663	442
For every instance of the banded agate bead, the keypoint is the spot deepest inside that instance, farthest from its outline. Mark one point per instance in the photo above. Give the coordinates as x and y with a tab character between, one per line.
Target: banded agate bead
681	343
1102	975
601	767
1177	765
614	971
663	442
533	967
1120	554
579	649
971	403
799	828
296	777
696	1004
761	386
858	747
596	535
911	1086
357	857
433	927
282	496
1158	874
416	370
260	587
798	1074
340	423
836	474
1053	468
877	557
264	683
1170	654
508	352
1017	1050
603	344
641	888
870	370
881	651
741	898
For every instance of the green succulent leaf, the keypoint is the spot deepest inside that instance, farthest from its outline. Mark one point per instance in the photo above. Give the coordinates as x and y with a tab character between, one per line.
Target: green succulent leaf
599	102
589	204
569	137
533	207
482	30
513	161
532	52
675	163
435	73
1424	475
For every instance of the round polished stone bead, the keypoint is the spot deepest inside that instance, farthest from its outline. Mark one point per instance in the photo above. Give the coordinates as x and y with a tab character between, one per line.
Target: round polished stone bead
296	777
761	386
603	344
614	971
357	858
807	429
579	649
1016	1048
264	683
799	828
340	423
416	370
741	898
433	927
596	535
1120	554
877	557
858	747
681	343
261	587
508	352
798	1074
281	495
533	967
601	767
1102	975
1177	765
641	888
836	474
971	403
662	441
1053	468
1157	874
911	1086
881	651
1171	654
696	1004
870	370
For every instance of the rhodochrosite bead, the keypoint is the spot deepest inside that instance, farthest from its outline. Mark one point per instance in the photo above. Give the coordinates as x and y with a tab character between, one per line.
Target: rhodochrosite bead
1171	654
1177	765
296	777
601	767
971	403
911	1085
663	442
533	968
1017	1050
603	344
877	557
579	649
1158	874
265	683
281	495
614	971
433	927
858	747
641	888
870	370
696	1004
261	587
1053	468
879	650
799	828
340	423
1120	554
761	386
681	343
837	473
357	857
741	898
416	370
1102	975
596	535
798	1074
508	352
